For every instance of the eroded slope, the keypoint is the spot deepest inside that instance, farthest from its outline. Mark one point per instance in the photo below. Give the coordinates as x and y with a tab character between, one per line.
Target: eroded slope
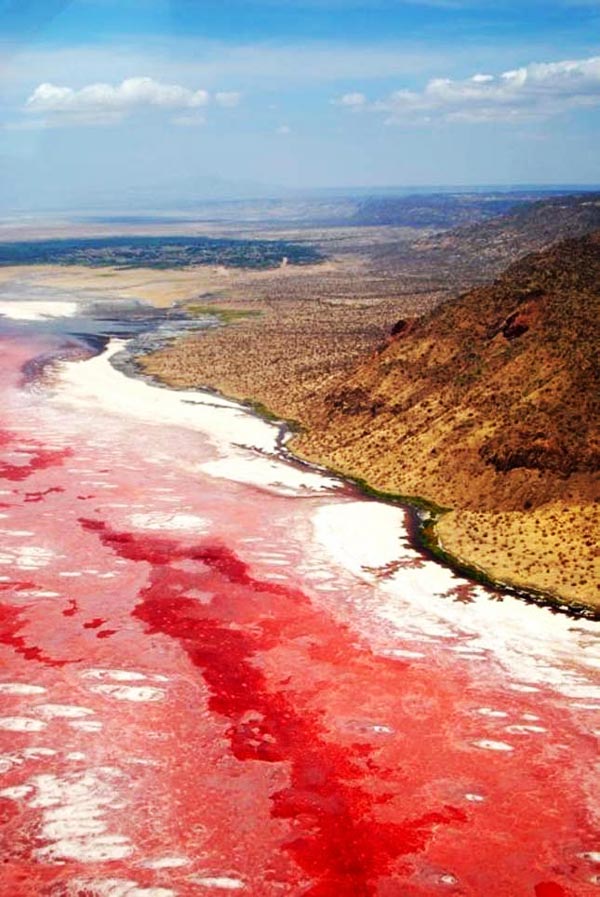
489	406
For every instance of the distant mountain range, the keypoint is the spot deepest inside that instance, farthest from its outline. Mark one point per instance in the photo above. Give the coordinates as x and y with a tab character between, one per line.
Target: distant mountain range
208	197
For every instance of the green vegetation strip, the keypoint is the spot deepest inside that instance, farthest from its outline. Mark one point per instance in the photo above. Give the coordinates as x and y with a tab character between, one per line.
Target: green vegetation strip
158	252
426	514
224	315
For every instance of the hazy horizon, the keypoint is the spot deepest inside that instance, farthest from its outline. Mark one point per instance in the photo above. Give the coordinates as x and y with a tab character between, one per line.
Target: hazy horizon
106	103
225	194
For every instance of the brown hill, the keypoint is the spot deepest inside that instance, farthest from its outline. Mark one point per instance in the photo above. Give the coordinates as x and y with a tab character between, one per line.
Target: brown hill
489	406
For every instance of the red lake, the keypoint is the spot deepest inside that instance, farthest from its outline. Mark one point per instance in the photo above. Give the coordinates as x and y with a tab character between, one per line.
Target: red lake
223	672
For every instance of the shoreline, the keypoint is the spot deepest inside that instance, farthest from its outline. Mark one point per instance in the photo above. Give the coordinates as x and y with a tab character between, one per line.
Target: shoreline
423	532
423	514
542	553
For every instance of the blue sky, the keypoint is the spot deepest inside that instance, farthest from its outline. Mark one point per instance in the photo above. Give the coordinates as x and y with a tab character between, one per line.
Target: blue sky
105	102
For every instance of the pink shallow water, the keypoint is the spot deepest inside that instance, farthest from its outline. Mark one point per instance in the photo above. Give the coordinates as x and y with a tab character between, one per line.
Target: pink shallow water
189	704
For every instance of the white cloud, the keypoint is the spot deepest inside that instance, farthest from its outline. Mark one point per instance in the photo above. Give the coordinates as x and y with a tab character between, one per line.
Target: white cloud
284	130
215	65
102	103
537	90
352	100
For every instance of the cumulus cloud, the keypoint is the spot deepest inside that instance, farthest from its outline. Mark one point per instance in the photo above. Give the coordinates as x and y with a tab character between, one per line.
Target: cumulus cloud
537	90
107	103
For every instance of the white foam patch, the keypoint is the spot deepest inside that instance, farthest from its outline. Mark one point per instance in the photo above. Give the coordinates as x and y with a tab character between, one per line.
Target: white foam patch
155	520
36	753
42	593
21	724
17	792
222	882
116	675
17	533
99	849
32	557
525	730
20	688
86	725
74	822
114	887
141	693
68	711
166	863
489	745
489	711
36	311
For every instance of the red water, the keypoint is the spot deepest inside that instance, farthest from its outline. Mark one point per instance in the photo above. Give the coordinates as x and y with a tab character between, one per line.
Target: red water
199	719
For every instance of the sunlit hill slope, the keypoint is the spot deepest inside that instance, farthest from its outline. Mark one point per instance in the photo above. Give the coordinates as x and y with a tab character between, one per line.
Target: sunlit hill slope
489	406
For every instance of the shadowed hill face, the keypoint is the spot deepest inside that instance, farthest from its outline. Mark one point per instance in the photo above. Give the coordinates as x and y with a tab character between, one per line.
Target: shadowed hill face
544	221
504	379
477	252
